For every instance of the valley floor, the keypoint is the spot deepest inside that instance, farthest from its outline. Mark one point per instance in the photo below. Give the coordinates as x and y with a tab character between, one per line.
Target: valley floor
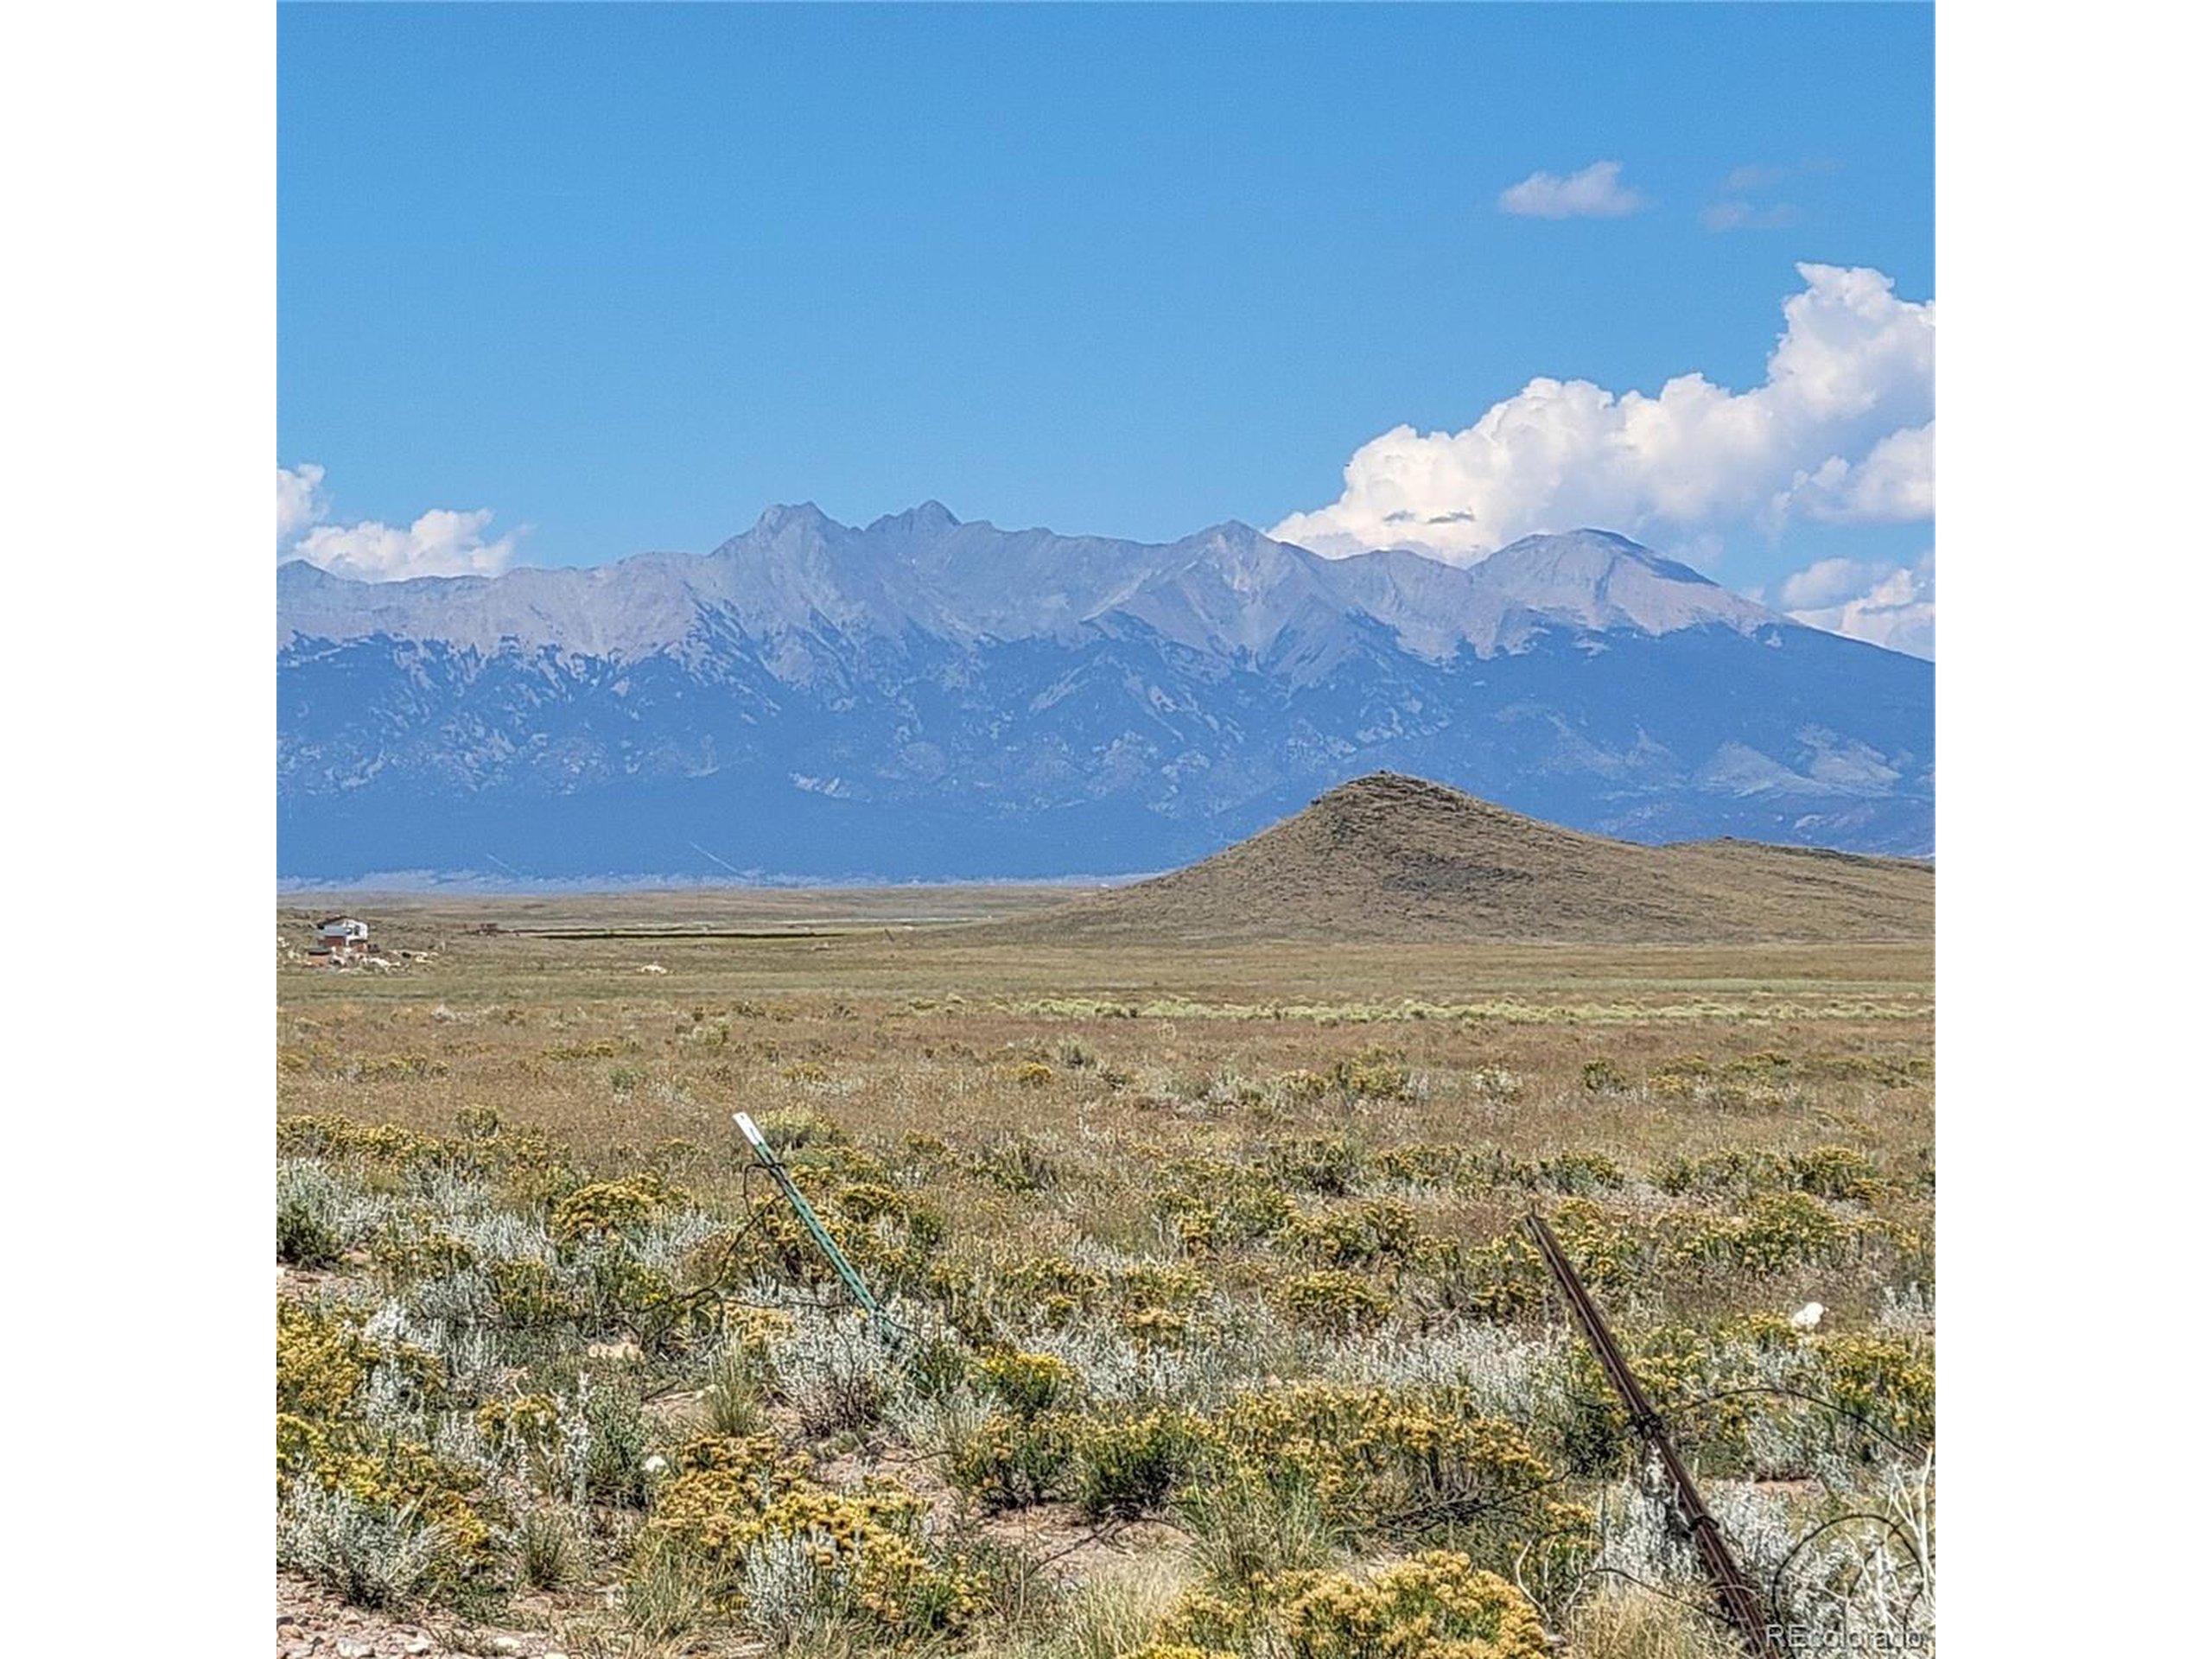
1214	1334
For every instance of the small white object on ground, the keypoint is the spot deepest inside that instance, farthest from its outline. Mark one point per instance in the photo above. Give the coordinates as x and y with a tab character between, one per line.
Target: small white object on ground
1807	1317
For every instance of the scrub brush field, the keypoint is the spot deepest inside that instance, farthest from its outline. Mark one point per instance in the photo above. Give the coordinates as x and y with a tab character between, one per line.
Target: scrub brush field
1212	1331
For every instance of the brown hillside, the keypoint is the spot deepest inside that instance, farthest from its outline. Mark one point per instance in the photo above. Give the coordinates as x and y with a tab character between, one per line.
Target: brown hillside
1388	857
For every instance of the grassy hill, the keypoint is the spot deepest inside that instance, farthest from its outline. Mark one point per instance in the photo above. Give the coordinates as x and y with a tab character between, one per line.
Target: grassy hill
1388	857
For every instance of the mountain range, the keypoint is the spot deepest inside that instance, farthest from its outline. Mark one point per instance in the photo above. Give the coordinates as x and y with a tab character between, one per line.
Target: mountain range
924	698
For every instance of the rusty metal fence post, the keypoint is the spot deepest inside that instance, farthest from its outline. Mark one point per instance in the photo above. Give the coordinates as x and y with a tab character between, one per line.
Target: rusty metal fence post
1737	1600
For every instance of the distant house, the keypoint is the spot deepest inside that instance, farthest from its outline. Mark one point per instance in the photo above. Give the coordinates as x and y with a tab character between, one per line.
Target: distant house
341	938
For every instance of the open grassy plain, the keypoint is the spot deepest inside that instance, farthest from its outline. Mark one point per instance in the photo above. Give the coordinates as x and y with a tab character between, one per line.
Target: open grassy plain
1215	1334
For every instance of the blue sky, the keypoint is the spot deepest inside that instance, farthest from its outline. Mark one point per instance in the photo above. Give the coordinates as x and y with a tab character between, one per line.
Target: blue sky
602	279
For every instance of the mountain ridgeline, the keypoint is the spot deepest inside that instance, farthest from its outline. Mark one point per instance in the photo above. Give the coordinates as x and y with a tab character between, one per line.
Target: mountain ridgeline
923	698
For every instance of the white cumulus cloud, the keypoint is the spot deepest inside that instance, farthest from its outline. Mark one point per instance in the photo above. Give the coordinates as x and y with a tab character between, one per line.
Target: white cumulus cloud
1594	192
1895	484
441	543
1889	604
1841	429
299	500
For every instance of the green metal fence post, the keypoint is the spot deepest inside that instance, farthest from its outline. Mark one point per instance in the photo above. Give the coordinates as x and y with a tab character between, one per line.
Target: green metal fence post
782	1177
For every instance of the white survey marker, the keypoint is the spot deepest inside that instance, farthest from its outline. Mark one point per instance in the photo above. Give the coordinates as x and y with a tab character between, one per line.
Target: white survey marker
751	1131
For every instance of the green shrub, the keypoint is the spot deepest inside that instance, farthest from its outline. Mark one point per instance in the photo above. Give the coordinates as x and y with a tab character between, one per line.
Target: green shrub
1247	1523
672	1588
1380	1231
1576	1173
1328	1165
1012	1463
307	1201
1030	1384
1053	1287
1501	1281
1127	1466
1602	1077
1014	1163
1424	1608
736	1405
1335	1301
1777	1231
373	1554
623	1207
1436	1606
1214	1205
1373	1074
1734	1171
617	1439
1422	1166
1888	1381
1379	1458
800	1128
1837	1173
546	1551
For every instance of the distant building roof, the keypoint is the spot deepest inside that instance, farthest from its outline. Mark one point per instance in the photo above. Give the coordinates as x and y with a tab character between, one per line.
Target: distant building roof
342	927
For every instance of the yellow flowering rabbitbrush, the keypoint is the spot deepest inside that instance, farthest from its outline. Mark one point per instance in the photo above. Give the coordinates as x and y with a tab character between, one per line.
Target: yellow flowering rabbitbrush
1436	1606
731	1494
